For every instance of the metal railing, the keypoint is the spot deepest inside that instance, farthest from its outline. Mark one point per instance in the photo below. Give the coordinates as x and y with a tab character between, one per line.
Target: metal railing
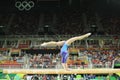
37	66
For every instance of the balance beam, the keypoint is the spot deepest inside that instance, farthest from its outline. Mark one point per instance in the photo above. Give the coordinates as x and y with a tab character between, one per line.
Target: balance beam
62	71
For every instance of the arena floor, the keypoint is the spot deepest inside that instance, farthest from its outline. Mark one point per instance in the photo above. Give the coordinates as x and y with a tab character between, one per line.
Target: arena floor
62	71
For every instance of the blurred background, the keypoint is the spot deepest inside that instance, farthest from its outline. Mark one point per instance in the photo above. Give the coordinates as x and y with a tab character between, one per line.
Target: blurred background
39	17
25	24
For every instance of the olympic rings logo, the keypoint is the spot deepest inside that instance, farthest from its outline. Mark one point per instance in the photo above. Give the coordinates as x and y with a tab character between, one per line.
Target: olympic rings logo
24	5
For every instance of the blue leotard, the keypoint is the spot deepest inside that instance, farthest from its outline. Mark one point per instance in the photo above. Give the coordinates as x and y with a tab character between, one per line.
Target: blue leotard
64	53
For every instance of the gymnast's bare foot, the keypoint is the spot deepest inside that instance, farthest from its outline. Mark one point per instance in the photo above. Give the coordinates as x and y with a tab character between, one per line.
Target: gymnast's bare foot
88	34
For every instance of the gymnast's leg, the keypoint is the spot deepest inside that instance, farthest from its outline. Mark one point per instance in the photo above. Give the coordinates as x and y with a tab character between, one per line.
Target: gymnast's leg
69	41
64	60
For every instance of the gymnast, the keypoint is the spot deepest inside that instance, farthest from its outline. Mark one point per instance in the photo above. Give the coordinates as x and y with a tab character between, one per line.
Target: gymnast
64	49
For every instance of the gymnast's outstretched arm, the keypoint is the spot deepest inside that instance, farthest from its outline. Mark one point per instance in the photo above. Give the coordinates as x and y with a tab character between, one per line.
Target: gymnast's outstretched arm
69	41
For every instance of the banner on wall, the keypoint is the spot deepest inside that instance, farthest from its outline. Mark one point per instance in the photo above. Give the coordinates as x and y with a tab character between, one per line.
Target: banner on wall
15	51
73	50
3	49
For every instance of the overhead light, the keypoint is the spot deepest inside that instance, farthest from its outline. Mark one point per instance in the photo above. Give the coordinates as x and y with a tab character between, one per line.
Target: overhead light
1	26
